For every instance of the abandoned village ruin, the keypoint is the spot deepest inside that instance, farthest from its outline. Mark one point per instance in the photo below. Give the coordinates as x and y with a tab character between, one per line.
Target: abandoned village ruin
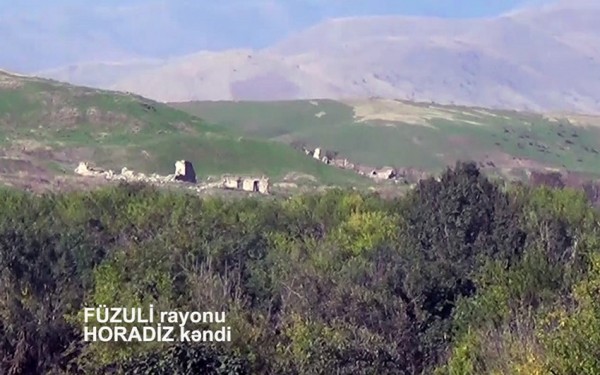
403	175
184	173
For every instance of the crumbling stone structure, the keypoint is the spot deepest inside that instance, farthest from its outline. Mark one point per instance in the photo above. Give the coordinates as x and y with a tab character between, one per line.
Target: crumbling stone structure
405	175
250	184
85	169
263	186
184	171
259	185
385	173
343	164
232	183
317	153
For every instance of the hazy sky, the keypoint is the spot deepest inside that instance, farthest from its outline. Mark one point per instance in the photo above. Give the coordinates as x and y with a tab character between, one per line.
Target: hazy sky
38	34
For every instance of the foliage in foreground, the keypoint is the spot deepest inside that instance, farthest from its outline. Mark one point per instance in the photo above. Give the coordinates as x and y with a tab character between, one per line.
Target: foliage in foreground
458	277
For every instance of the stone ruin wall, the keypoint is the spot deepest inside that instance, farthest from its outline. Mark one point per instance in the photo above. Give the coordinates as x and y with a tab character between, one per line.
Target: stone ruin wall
184	173
250	184
378	174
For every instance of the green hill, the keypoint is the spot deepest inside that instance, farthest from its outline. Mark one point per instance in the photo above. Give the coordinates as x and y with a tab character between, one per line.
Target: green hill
428	136
47	127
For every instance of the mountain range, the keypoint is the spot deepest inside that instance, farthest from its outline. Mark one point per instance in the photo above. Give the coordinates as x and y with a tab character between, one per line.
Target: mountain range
538	59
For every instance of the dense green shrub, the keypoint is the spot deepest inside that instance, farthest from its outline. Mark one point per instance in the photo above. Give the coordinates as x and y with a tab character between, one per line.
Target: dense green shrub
459	277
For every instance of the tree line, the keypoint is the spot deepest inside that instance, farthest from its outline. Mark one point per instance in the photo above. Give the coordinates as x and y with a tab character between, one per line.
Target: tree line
460	276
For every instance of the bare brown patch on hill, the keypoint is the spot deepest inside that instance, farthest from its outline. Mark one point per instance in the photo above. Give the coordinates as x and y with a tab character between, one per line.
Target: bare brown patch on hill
396	111
458	140
34	150
42	184
576	119
9	82
9	165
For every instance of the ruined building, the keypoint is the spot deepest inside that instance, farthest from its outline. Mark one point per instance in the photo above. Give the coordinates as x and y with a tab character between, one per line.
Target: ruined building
251	184
234	183
385	173
85	169
184	171
317	153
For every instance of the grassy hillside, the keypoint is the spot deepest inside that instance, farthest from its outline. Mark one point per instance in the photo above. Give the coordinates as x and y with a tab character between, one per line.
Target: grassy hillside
46	126
428	136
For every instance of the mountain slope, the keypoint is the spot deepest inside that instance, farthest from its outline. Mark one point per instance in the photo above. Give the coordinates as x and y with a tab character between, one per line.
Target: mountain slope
545	58
98	74
47	126
418	135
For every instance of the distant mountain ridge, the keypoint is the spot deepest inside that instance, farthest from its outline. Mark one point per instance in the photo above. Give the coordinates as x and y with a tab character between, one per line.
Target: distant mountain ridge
539	59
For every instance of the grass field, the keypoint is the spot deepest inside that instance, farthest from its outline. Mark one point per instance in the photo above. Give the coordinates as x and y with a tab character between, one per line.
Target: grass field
54	126
404	134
